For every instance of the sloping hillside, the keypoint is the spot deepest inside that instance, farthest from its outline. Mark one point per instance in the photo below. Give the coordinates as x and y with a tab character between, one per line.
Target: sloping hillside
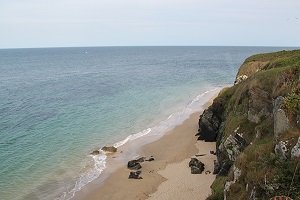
256	126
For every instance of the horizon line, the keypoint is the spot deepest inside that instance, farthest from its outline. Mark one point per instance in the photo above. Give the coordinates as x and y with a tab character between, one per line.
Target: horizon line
105	46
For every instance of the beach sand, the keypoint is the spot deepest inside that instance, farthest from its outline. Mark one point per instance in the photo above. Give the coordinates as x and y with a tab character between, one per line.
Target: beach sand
168	176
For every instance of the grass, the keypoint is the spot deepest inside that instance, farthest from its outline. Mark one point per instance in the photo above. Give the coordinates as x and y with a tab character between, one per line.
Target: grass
260	166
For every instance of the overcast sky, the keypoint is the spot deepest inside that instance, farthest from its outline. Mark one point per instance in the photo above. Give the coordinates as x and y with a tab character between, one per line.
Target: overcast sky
51	23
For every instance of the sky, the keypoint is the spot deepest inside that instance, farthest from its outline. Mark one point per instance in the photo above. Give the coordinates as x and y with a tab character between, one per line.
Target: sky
61	23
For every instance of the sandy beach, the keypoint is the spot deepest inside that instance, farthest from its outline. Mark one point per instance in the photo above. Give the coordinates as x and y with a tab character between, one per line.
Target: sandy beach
168	176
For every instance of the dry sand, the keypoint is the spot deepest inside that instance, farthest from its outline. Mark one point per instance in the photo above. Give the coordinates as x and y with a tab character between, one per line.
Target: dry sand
168	177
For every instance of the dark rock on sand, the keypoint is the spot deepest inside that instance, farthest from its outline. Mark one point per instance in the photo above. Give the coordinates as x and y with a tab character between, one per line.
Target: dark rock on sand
95	152
141	159
210	122
197	167
111	149
135	175
134	164
150	159
216	167
213	152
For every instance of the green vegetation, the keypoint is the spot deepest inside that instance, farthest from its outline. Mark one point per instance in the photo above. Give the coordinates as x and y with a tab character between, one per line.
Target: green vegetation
269	76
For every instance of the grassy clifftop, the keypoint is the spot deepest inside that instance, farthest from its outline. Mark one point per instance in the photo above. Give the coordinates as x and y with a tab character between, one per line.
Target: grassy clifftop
256	124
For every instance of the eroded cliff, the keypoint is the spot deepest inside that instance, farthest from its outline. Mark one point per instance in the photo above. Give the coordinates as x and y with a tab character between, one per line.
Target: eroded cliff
256	126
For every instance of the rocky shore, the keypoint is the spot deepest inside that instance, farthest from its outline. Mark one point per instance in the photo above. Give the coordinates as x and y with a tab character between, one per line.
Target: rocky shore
162	171
256	127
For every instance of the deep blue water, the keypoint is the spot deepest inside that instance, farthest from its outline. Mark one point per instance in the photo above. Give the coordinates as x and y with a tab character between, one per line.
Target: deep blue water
57	104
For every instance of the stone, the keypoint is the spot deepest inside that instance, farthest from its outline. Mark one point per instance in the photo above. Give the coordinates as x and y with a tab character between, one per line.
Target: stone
216	167
233	145
196	170
197	167
213	152
95	152
236	175
141	159
281	122
277	103
208	126
110	149
134	164
260	105
240	78
280	150
223	169
150	159
135	175
295	152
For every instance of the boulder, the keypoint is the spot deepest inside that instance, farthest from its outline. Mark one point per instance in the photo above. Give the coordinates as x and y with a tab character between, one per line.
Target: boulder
208	126
134	165
141	159
240	78
233	145
223	169
280	150
150	159
260	105
197	167
281	122
295	152
135	175
95	152
110	149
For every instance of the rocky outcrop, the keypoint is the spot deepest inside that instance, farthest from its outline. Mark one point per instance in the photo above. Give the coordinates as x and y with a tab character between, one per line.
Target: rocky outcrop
236	174
110	149
210	121
281	150
295	152
240	78
233	145
197	167
260	105
281	122
95	152
255	125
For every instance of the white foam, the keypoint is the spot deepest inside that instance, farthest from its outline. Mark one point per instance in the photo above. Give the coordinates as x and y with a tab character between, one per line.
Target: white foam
132	137
174	119
87	177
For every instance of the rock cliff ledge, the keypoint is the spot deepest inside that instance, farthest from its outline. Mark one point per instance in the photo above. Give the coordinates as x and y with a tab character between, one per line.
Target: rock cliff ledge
256	126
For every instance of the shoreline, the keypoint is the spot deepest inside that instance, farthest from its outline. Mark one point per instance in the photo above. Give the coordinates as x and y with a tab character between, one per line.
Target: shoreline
172	153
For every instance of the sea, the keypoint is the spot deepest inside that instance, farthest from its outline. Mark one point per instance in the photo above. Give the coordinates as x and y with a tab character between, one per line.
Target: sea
57	105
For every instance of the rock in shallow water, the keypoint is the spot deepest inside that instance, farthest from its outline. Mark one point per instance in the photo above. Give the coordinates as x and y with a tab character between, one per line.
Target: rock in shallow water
95	152
111	149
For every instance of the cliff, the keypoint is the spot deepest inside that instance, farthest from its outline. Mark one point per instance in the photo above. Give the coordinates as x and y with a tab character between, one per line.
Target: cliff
256	126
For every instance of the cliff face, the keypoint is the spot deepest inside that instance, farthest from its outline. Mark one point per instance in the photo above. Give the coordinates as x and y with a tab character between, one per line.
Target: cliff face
256	126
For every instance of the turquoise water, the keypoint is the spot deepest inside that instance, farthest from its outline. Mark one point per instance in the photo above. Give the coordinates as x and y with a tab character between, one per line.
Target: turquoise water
58	104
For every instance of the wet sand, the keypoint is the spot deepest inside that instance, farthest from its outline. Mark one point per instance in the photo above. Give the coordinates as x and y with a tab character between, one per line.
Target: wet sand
168	176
